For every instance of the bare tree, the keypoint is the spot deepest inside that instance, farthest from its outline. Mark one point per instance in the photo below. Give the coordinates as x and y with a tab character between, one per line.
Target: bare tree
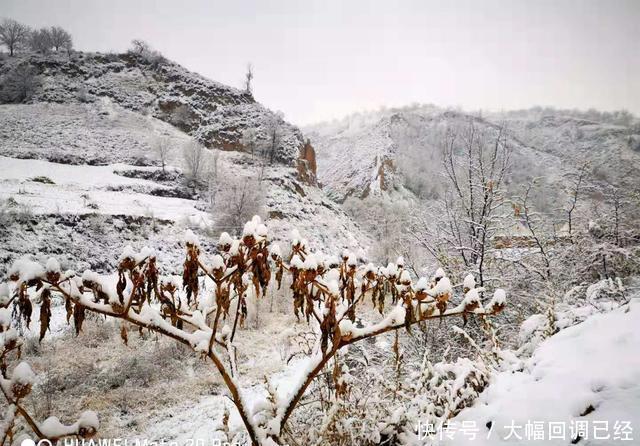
248	77
577	183
476	179
195	160
60	38
140	47
40	40
274	138
249	140
13	34
162	146
213	176
386	220
618	202
534	223
20	84
237	200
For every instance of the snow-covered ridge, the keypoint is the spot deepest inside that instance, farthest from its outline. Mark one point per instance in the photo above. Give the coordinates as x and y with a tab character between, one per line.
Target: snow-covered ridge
212	112
545	143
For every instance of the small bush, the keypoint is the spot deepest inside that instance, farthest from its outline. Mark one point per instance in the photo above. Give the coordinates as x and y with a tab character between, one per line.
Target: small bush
19	85
42	179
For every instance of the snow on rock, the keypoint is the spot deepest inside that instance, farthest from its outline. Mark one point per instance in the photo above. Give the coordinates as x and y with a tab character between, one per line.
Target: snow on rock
588	373
213	113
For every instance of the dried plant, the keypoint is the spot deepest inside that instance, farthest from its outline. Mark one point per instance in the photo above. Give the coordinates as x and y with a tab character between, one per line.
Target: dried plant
328	292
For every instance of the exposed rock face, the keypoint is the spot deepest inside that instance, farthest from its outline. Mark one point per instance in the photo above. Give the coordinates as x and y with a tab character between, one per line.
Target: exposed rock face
306	164
386	169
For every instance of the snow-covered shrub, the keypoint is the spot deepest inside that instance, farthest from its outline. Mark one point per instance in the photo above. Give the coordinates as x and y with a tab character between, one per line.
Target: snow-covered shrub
17	384
83	95
19	84
576	305
368	405
209	308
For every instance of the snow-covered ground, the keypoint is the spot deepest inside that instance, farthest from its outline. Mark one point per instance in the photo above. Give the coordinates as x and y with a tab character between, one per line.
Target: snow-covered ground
62	171
584	381
78	189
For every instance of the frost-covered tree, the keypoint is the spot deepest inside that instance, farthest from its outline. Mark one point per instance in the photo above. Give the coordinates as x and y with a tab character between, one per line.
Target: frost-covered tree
249	140
60	38
140	47
274	138
386	220
577	182
13	34
248	78
147	53
19	84
40	40
237	200
474	167
195	161
162	147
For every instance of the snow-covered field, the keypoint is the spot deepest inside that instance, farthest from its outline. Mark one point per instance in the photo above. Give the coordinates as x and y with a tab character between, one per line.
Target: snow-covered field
78	189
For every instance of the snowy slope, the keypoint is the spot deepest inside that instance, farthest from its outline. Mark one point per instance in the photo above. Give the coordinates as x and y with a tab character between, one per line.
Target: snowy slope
213	113
81	179
543	144
98	133
588	374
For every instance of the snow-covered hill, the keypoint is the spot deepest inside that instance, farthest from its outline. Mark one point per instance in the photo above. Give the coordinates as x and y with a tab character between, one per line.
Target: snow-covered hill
213	113
385	149
80	179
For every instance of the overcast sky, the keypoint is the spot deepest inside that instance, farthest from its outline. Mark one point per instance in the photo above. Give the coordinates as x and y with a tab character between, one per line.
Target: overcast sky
317	60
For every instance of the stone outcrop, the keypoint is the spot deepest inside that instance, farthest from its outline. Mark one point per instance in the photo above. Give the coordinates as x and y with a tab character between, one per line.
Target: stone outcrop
386	169
306	164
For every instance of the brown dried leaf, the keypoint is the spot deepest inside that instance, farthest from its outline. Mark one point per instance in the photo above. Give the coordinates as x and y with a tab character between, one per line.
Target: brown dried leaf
123	334
45	313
